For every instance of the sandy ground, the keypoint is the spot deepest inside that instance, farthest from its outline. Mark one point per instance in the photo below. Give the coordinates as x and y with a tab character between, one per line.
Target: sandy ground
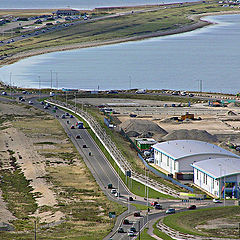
199	24
31	163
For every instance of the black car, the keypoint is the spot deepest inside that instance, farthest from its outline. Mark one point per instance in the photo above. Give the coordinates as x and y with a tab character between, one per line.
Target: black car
120	230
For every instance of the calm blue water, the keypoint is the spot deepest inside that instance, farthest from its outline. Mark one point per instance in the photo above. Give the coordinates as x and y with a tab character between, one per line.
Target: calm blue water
79	4
211	54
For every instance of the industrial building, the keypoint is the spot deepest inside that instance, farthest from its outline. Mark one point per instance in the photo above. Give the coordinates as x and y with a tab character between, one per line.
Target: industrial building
176	157
219	176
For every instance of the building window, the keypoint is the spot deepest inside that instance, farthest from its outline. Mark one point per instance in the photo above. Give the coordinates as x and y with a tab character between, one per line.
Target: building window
167	161
174	165
213	183
197	174
206	178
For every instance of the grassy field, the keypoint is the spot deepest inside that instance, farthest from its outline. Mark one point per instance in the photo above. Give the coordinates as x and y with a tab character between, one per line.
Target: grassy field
211	222
115	28
83	205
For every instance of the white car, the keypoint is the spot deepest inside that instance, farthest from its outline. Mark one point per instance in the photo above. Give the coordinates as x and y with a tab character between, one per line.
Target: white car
216	200
30	102
131	234
113	191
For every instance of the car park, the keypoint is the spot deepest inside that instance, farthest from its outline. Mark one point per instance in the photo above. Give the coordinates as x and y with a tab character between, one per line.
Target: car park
192	207
170	211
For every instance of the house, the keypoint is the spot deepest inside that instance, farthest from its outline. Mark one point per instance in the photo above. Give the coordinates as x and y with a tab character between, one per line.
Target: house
67	12
175	157
218	177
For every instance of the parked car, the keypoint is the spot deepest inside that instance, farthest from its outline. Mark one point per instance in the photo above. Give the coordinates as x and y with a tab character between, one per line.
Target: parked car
150	160
170	211
126	221
55	107
30	102
72	127
63	116
137	214
84	146
158	206
71	116
217	201
130	198
78	136
120	230
117	194
191	95
110	186
42	102
192	207
67	114
4	93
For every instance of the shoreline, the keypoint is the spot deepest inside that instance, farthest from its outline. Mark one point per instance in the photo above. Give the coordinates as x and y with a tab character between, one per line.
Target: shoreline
197	25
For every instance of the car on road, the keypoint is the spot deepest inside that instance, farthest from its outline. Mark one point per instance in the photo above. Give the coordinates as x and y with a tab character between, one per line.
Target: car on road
130	199
4	93
170	211
84	146
55	107
63	116
192	207
110	186
216	200
67	114
133	229
131	234
154	203
42	102
72	127
45	107
158	206
191	95
71	116
30	102
22	100
120	230
117	194
78	136
137	214
126	221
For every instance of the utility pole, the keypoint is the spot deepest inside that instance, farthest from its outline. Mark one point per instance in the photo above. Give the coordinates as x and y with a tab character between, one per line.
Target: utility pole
39	81
35	230
51	79
10	84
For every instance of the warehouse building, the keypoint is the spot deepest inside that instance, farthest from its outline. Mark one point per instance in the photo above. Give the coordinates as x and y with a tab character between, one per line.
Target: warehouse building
176	157
219	176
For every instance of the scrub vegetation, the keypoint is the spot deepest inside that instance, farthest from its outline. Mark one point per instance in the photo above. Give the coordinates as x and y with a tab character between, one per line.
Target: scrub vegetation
80	203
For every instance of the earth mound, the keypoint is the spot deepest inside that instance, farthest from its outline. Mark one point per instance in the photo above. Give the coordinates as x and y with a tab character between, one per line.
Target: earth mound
193	134
145	127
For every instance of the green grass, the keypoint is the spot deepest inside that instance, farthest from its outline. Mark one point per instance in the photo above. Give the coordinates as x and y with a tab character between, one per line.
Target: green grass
202	216
159	233
145	235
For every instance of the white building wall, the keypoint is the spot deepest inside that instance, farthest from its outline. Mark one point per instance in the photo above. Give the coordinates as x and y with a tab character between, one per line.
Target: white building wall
207	183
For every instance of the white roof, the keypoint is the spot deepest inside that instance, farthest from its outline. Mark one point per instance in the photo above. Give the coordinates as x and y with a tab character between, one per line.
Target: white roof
177	149
219	167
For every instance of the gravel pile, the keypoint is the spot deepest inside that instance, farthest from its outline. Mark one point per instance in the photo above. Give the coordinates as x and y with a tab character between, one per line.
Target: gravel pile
142	127
193	134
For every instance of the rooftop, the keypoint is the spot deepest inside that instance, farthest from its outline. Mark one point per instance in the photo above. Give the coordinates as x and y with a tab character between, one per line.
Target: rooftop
177	149
219	167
